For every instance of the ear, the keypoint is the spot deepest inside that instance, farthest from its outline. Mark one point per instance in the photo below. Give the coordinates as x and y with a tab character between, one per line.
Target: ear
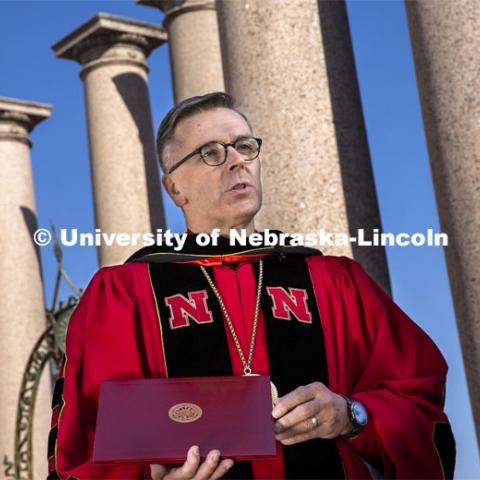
174	191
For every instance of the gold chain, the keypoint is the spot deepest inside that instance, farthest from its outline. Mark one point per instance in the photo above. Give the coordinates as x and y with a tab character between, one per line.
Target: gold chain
247	364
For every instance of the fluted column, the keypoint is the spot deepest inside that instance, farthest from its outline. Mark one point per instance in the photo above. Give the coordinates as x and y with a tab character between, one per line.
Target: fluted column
22	311
445	39
112	51
293	73
194	46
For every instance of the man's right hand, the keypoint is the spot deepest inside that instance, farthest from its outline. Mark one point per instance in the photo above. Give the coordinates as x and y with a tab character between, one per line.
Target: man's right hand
209	469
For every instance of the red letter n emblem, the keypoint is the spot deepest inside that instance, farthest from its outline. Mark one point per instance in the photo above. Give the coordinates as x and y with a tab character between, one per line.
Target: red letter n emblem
284	304
195	307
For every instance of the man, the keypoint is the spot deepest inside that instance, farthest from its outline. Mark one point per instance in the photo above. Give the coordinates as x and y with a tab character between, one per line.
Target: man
361	386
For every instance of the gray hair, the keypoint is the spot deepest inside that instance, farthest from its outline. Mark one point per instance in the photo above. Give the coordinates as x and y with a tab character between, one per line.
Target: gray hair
187	108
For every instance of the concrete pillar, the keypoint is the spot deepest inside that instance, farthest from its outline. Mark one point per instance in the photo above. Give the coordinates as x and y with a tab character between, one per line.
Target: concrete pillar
22	312
293	73
194	46
445	39
112	51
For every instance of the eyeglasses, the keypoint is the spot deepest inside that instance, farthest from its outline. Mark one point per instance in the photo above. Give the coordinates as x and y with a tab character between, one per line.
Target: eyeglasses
215	153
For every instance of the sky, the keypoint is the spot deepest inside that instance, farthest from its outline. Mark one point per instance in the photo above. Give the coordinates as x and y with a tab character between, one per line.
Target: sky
60	161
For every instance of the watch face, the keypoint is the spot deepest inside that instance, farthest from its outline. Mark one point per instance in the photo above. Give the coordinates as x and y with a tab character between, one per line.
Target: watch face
359	413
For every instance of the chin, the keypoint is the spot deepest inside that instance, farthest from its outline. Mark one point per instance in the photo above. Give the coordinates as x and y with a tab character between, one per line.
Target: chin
247	213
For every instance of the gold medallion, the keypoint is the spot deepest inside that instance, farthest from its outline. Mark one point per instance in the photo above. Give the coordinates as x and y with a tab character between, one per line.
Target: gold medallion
273	388
274	393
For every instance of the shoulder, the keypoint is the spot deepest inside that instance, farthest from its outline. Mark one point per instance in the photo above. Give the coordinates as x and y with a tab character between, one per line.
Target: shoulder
333	266
119	275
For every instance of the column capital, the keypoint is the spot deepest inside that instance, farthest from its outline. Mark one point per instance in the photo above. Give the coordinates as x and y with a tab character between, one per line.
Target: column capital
107	38
19	117
172	8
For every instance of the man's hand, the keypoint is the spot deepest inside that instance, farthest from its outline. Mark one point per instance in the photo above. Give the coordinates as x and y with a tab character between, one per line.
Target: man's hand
294	413
192	468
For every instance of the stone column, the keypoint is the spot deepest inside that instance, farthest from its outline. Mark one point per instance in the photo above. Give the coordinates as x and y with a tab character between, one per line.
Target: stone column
445	39
194	46
22	312
293	73
112	51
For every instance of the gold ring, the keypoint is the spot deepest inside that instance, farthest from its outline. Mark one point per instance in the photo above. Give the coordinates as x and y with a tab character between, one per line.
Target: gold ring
314	422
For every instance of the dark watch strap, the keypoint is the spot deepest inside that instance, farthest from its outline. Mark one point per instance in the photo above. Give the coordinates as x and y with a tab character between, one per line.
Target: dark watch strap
356	427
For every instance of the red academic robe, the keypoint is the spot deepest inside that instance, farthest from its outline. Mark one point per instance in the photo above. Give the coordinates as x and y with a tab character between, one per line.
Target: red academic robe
375	353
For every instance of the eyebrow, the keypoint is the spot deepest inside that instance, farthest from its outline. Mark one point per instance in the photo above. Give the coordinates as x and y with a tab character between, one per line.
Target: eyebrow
250	135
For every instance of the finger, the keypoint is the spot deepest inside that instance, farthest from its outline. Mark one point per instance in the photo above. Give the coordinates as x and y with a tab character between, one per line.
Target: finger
223	467
158	471
295	397
189	468
305	426
299	438
208	466
301	414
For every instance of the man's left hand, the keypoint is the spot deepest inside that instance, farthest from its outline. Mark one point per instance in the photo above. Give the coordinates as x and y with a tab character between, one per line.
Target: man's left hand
295	410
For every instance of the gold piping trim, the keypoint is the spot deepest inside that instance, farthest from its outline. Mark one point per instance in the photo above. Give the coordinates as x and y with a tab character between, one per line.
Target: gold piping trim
436	449
59	418
159	320
317	301
216	256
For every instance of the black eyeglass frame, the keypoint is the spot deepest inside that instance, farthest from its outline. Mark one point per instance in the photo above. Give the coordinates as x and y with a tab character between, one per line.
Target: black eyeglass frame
224	145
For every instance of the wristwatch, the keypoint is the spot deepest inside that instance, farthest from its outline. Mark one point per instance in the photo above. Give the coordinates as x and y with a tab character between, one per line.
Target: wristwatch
357	415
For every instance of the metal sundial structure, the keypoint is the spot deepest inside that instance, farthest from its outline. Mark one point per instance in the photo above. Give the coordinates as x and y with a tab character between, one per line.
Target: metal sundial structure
48	351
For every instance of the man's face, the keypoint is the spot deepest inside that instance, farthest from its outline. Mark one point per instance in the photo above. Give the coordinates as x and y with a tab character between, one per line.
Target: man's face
206	193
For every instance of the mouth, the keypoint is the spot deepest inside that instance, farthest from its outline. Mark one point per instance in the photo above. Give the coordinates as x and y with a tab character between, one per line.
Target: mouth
240	187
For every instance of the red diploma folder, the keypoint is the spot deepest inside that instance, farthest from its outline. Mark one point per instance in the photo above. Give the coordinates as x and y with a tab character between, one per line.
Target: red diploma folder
158	420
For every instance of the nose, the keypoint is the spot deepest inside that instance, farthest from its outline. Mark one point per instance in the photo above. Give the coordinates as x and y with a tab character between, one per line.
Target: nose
234	159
